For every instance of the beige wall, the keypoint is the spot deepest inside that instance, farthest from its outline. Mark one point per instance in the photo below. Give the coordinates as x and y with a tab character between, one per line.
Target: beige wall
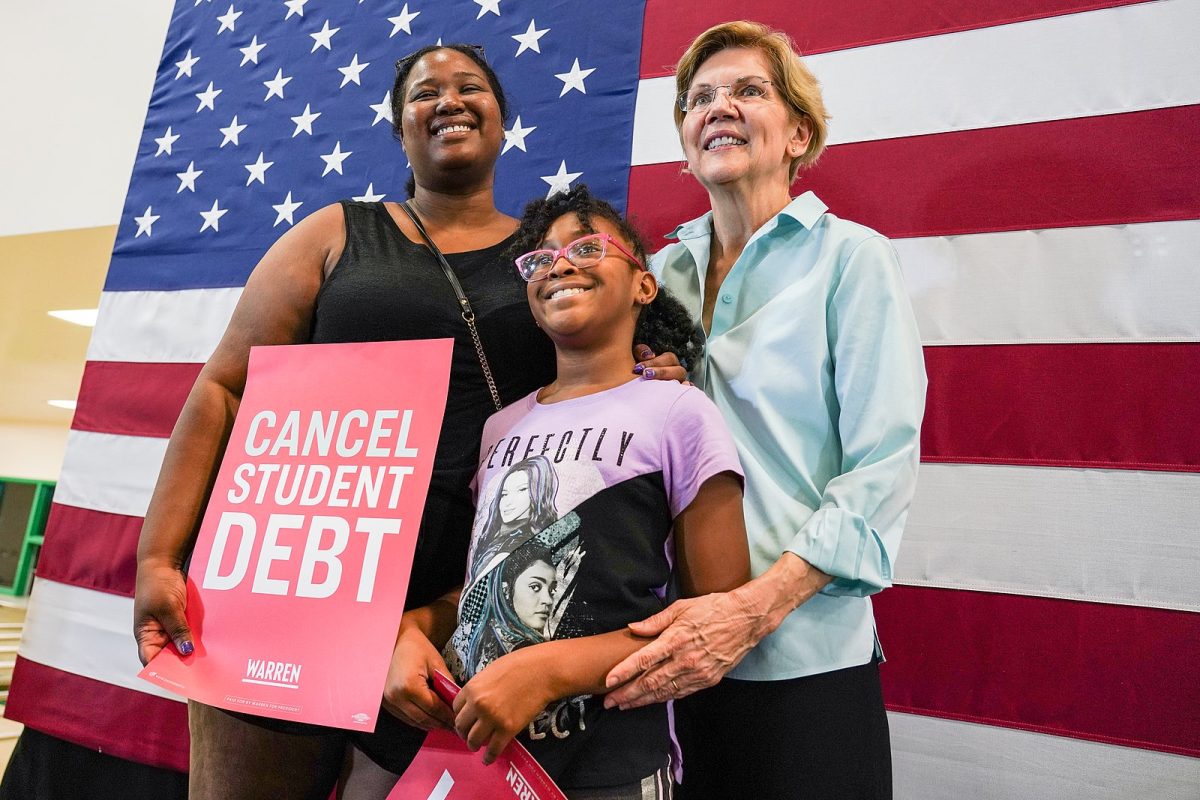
31	451
76	82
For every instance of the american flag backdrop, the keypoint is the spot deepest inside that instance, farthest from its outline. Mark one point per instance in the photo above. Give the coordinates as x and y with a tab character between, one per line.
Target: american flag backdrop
1034	161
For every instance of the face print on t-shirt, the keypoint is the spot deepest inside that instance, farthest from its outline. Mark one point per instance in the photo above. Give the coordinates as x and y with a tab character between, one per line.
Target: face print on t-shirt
523	567
524	501
531	594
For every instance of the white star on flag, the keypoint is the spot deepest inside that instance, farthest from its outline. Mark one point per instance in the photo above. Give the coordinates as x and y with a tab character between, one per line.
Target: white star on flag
574	78
258	170
275	85
516	136
185	66
285	210
164	143
382	109
228	20
207	97
250	52
529	39
212	218
304	121
351	71
294	7
369	195
232	132
144	222
322	37
333	161
187	180
487	7
402	22
560	181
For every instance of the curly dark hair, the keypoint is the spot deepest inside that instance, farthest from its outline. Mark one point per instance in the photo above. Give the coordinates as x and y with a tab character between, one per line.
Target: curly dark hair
404	67
664	325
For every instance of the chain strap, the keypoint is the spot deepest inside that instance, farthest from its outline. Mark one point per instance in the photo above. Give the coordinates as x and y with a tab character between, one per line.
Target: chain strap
469	318
468	314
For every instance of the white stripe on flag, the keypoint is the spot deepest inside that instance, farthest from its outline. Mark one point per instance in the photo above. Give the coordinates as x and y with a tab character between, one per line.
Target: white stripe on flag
180	326
110	472
1076	65
86	632
1120	283
1018	530
940	759
1109	536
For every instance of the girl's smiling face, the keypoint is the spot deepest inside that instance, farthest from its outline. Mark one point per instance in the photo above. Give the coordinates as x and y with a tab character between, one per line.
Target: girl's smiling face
596	303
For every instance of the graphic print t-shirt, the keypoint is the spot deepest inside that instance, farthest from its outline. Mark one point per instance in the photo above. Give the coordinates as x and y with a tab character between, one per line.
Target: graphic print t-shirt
572	538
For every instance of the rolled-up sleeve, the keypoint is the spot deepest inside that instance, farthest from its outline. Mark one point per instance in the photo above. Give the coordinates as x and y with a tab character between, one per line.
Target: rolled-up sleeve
879	382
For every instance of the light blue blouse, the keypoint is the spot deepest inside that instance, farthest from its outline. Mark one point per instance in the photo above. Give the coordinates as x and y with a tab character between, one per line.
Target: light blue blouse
815	361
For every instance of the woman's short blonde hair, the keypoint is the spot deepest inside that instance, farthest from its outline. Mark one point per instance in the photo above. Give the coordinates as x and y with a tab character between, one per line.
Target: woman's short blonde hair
789	76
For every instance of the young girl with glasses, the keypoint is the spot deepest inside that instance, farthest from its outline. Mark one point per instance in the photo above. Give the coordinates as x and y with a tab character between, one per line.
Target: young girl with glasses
647	505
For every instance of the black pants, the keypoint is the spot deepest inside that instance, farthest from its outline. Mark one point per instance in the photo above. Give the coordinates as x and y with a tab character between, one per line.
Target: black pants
47	768
821	736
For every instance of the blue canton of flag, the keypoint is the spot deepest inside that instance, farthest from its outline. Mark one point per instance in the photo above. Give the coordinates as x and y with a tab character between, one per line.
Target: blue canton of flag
265	111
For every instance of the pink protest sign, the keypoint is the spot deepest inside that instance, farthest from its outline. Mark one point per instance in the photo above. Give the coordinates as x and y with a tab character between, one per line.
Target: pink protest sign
299	573
445	769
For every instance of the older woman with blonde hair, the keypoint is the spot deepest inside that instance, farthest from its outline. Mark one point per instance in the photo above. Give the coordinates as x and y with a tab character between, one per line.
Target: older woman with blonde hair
813	355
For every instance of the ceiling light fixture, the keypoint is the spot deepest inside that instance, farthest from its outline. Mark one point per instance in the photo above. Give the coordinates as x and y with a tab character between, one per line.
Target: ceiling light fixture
77	316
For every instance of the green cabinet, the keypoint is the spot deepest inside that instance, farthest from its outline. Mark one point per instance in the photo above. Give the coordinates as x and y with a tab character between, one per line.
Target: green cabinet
24	506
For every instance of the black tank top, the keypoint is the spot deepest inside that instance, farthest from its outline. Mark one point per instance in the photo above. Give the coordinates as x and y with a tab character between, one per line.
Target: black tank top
386	287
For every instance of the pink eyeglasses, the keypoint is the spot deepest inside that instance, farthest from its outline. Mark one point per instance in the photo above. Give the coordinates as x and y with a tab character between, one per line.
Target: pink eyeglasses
586	251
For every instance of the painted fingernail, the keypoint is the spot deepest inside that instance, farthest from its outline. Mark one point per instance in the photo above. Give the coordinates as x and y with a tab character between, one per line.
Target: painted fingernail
645	352
186	648
648	373
638	368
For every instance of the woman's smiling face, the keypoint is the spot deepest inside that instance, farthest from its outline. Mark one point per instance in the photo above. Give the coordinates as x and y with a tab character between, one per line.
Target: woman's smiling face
731	140
450	119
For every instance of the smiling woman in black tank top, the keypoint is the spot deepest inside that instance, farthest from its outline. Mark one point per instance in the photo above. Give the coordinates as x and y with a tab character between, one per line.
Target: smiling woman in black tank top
354	272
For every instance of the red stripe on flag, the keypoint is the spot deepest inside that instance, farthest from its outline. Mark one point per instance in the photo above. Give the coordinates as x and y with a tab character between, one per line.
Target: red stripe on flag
1117	674
110	719
1043	175
1122	406
133	398
817	26
92	549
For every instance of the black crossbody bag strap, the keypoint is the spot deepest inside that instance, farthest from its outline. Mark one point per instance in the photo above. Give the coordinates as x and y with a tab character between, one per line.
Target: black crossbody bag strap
468	314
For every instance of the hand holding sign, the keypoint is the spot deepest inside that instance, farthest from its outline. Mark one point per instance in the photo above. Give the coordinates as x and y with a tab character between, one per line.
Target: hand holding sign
408	693
158	611
500	702
445	769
